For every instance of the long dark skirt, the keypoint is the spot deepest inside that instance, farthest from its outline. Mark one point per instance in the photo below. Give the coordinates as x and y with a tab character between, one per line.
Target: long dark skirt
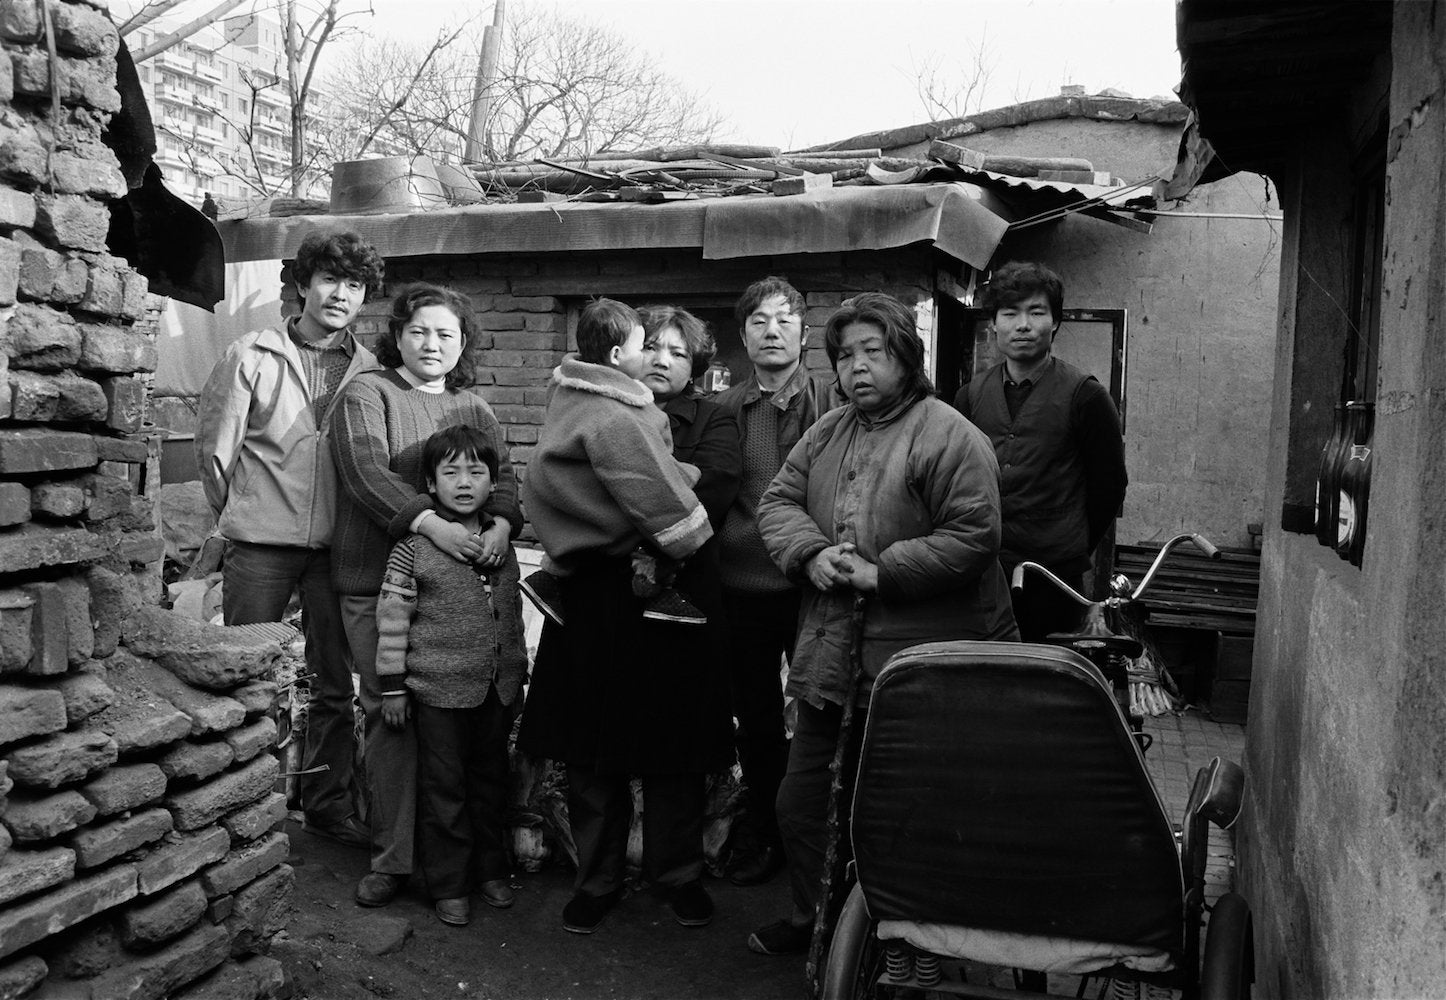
620	694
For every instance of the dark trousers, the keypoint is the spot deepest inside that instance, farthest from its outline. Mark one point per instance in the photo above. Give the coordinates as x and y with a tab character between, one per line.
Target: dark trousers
461	794
600	809
761	631
803	801
258	582
1040	608
390	754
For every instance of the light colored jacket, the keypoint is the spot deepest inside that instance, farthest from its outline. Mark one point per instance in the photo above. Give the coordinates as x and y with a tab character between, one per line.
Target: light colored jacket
916	490
261	450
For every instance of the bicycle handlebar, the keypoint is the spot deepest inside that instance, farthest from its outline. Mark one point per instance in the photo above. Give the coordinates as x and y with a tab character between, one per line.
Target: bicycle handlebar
1200	541
1119	585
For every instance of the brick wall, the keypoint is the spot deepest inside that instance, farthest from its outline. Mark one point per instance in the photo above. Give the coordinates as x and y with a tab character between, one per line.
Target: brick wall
525	304
138	857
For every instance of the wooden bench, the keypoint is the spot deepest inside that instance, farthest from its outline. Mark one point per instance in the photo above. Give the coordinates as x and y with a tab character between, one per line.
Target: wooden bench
1193	591
1202	620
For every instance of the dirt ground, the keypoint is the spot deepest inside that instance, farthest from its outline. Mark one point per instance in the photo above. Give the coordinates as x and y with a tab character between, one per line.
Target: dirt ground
521	953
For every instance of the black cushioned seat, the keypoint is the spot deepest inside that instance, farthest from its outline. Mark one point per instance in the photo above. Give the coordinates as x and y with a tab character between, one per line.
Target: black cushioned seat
999	788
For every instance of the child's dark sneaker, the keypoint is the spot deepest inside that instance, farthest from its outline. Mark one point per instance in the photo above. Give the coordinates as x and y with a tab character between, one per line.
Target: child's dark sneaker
544	591
584	913
780	938
691	905
671	606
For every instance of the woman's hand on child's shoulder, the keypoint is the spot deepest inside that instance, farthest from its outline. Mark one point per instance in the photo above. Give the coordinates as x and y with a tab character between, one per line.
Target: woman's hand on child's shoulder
495	541
451	538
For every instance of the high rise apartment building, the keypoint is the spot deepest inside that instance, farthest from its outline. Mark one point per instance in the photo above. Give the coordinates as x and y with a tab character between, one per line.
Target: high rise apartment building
221	111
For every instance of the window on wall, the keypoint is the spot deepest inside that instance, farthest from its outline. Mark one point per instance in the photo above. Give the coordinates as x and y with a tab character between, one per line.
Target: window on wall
1359	368
1337	329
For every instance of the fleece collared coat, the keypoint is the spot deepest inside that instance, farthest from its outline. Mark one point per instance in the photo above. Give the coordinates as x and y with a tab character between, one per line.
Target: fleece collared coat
613	692
603	479
262	450
916	490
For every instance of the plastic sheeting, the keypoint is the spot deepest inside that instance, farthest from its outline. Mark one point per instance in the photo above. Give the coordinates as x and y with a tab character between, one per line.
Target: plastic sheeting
191	340
963	220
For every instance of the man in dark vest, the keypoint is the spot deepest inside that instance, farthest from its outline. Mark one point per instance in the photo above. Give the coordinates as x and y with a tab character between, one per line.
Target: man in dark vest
773	406
1057	435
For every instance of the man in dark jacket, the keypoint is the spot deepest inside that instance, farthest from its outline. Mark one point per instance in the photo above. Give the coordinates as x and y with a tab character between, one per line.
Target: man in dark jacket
773	406
1057	435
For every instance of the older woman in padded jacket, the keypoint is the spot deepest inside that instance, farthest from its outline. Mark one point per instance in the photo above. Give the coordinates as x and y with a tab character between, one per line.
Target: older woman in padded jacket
895	496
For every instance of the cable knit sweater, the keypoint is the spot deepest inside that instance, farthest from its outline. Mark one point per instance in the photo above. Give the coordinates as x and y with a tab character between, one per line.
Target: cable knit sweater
603	478
447	632
379	424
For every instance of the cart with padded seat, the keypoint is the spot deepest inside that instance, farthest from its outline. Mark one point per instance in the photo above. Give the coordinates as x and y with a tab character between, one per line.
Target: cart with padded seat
1003	815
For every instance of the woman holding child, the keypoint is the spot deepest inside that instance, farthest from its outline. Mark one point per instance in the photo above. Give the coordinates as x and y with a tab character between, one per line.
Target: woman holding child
380	425
615	694
893	496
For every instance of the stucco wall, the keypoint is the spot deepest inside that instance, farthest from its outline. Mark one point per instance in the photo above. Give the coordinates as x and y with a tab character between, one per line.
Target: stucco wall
1343	843
1201	295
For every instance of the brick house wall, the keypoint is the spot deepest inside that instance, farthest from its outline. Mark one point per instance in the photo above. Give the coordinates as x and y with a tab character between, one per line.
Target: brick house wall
526	306
140	854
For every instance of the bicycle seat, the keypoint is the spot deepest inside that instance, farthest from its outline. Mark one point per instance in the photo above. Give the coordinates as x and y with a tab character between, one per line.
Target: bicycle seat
999	788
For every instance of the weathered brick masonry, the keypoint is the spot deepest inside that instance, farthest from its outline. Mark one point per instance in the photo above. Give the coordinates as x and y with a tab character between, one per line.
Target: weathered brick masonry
138	852
526	303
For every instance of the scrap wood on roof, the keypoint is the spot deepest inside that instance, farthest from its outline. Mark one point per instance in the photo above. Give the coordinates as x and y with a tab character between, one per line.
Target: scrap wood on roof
1042	188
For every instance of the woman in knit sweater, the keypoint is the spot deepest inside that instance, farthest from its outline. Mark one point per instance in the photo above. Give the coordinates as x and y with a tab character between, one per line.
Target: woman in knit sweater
379	425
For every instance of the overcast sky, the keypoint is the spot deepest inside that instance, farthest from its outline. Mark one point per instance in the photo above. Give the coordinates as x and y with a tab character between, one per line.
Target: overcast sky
793	73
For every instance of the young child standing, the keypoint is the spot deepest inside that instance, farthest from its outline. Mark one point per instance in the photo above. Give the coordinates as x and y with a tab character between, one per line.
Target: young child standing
451	657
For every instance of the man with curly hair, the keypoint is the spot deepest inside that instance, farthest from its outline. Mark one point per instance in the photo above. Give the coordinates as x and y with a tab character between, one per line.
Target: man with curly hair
261	446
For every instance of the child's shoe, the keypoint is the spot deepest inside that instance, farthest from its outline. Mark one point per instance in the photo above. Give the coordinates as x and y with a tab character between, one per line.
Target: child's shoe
544	590
670	606
457	912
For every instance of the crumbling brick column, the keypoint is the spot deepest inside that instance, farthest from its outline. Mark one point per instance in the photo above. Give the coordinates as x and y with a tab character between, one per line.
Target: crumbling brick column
140	852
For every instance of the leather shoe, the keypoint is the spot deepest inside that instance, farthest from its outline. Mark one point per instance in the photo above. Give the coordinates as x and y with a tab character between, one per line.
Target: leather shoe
497	892
691	905
759	868
457	912
350	832
583	913
378	888
781	938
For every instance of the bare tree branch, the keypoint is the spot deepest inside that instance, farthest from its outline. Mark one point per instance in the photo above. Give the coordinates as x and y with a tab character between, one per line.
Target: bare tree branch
563	87
958	91
181	34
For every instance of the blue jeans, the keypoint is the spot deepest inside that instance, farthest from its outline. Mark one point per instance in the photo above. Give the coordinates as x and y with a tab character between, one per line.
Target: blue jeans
258	582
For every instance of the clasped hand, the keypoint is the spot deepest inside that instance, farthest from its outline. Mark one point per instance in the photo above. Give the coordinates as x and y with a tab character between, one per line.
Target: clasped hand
487	549
841	566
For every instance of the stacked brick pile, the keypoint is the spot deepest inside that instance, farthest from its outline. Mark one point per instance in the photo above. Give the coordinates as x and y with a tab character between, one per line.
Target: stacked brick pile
138	852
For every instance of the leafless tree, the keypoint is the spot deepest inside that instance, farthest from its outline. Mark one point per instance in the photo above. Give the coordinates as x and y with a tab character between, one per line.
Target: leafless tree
565	87
954	88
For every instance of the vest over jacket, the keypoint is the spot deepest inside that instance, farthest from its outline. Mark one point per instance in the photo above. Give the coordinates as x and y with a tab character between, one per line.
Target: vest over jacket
1041	471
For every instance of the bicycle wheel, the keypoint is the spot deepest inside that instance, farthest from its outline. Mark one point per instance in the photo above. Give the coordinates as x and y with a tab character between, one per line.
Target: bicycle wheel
855	957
